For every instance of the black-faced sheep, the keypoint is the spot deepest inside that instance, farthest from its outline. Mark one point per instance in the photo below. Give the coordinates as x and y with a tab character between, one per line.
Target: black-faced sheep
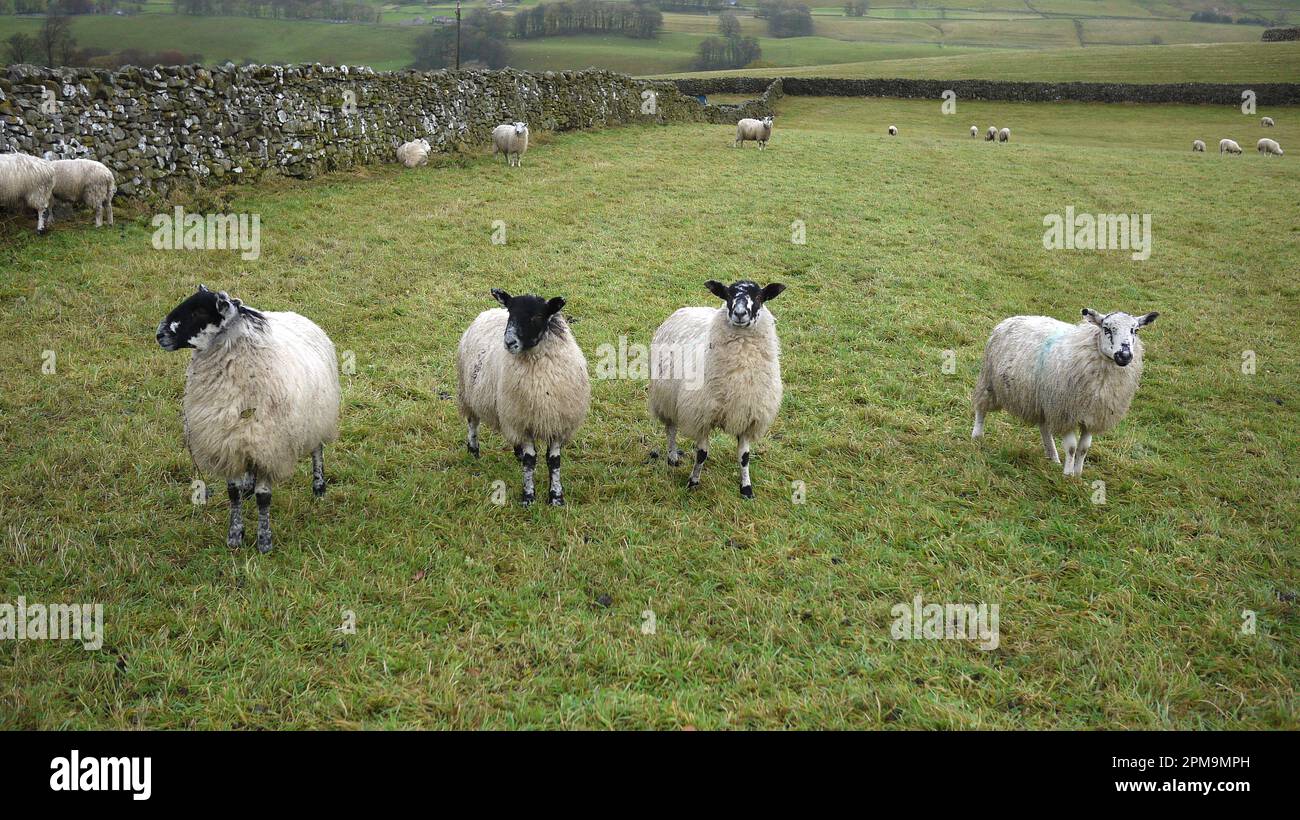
759	131
1073	381
86	181
718	368
27	181
510	139
521	372
261	393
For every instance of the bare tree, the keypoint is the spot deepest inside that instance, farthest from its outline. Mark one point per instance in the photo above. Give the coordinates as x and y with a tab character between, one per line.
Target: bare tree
56	40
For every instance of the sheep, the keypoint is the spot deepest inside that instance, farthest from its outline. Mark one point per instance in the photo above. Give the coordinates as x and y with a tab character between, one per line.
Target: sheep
1229	147
974	131
1062	377
1198	146
718	368
1267	122
510	139
521	372
261	393
27	181
1004	135
991	134
88	182
893	130
1267	146
760	131
414	153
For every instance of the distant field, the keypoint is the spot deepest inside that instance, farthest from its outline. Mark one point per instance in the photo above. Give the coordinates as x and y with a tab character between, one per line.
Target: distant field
1253	62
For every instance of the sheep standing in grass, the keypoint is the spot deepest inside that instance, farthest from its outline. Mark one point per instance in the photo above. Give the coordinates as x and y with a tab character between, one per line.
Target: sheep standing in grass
1004	135
760	131
1267	122
414	153
974	131
991	134
521	372
27	181
1075	381
893	130
261	393
718	367
510	139
1267	146
1229	147
1198	146
88	182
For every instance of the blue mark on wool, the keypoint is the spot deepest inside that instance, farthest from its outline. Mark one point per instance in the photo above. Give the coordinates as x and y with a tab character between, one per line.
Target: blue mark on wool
1045	349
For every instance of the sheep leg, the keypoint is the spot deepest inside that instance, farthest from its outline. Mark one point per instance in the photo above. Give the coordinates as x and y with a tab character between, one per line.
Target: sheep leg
701	453
1085	441
742	448
1070	442
1049	445
978	430
471	439
556	497
263	492
318	471
43	218
528	458
235	535
674	454
109	207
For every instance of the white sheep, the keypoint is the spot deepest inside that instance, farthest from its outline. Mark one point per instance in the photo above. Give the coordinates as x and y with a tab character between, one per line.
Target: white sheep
1268	146
760	131
27	181
974	131
261	393
521	372
1004	135
1229	147
991	134
718	368
1267	122
893	130
86	181
510	139
414	153
1198	145
1075	381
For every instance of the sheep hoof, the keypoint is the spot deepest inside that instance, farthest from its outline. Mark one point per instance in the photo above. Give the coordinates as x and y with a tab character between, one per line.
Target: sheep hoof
473	449
318	489
675	458
555	500
691	485
527	499
264	543
235	539
747	491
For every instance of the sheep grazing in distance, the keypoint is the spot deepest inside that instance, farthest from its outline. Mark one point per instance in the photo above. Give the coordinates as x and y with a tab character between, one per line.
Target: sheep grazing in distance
718	368
974	131
893	130
1267	122
414	153
991	134
1229	147
1268	146
510	139
27	181
1004	135
760	131
1075	381
261	393
1198	145
88	182
521	372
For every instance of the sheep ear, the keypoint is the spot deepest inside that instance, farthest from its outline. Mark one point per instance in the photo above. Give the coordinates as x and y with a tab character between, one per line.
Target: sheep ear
501	296
203	289
1143	321
223	301
717	289
772	291
1092	316
554	306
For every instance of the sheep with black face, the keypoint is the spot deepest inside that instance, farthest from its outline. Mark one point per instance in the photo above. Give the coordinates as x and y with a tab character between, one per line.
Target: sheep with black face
718	368
261	394
521	372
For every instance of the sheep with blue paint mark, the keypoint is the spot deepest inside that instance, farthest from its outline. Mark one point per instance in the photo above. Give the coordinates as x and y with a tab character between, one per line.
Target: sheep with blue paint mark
1073	381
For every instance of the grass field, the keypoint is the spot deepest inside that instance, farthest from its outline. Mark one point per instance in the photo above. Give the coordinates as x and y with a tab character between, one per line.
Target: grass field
768	613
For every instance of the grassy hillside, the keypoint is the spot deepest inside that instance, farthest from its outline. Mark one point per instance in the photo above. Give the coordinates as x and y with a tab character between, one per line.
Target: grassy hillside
766	614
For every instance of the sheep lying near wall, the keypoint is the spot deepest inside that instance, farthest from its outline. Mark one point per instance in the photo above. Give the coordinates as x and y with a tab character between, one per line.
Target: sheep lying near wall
1074	381
718	367
510	139
86	181
520	372
1268	146
760	131
261	393
414	153
1198	145
1229	147
27	181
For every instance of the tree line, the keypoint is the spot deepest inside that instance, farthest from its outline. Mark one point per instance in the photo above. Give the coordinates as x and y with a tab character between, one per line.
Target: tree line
53	44
639	19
